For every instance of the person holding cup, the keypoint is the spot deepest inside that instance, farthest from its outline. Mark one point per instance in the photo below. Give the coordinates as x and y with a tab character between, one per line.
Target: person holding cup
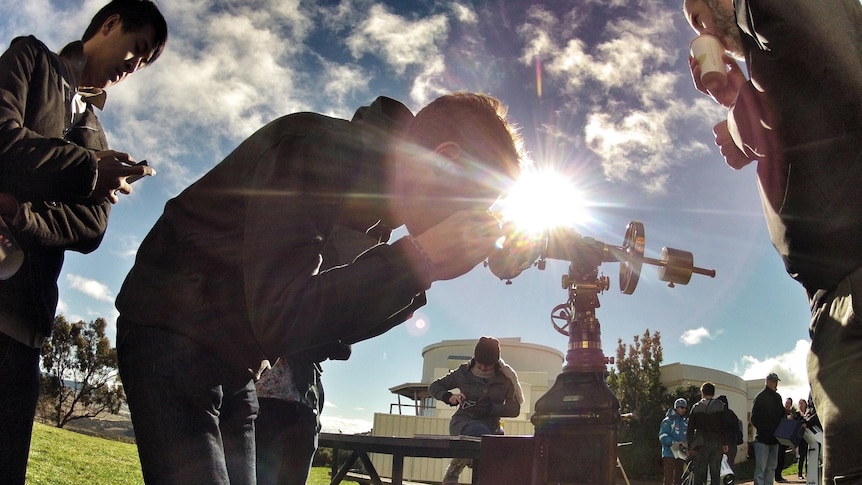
798	115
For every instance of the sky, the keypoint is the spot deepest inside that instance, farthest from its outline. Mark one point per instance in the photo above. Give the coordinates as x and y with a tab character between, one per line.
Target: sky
602	94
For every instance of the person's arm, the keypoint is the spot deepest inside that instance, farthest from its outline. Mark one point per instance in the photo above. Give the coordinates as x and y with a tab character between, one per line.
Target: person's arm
31	164
757	413
77	227
665	433
292	304
728	419
441	388
509	408
44	166
692	426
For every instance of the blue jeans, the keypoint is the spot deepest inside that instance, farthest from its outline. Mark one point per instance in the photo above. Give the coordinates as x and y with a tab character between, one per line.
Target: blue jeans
476	428
285	439
19	392
765	461
193	414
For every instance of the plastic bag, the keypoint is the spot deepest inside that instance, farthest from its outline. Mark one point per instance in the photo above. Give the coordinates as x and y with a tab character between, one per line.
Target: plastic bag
727	477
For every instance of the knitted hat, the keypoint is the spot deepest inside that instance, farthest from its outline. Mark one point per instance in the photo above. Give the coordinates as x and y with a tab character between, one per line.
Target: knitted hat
487	351
680	403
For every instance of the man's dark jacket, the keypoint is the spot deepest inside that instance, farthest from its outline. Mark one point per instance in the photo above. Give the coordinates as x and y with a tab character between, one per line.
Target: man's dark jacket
708	424
233	262
810	189
50	167
766	412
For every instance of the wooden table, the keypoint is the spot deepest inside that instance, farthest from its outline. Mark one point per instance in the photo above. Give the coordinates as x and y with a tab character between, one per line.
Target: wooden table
424	446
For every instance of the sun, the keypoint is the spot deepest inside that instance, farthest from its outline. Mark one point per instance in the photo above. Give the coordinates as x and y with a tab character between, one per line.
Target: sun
541	200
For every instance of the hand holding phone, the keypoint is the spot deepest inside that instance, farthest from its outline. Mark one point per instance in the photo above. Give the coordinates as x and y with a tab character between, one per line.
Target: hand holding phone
148	171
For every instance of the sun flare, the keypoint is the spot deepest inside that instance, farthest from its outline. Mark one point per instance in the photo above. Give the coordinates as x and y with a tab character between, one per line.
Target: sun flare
541	200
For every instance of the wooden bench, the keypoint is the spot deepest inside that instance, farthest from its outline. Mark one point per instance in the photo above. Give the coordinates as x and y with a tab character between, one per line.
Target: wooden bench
366	479
425	446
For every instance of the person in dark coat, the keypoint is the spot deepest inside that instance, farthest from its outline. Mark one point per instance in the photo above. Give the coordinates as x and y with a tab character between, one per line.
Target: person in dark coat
707	435
766	412
734	432
797	113
230	275
58	179
488	389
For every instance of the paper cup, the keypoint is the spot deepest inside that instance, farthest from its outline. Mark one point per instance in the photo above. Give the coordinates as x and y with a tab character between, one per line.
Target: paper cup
708	51
11	256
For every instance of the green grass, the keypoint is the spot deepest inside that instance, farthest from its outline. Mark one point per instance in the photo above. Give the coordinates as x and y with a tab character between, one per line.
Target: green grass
63	457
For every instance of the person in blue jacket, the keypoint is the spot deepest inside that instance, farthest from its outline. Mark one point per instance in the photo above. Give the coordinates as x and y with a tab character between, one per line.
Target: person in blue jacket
671	434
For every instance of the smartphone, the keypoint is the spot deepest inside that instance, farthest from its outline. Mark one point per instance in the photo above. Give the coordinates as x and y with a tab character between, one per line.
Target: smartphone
135	178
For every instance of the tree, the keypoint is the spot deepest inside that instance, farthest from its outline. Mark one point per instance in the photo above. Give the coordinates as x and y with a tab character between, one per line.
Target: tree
636	381
80	369
690	393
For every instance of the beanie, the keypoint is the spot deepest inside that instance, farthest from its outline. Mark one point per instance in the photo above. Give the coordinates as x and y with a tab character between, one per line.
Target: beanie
487	351
680	403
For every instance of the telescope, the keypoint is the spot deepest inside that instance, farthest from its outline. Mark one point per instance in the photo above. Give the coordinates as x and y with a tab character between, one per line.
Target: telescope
580	407
518	251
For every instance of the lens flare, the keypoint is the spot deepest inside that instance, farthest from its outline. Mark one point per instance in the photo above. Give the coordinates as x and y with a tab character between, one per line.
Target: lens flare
418	325
541	200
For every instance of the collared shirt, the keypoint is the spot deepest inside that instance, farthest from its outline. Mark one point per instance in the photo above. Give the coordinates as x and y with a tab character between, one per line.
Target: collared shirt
85	96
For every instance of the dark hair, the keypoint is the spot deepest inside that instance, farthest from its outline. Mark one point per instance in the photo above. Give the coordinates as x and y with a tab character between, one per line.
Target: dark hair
135	15
707	389
477	123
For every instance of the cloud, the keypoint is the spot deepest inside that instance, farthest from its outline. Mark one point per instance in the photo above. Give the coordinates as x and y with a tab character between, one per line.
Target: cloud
464	13
624	84
696	336
91	288
334	424
226	72
128	245
398	41
790	366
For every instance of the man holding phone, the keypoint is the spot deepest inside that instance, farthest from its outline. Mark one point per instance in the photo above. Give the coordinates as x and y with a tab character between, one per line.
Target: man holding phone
58	179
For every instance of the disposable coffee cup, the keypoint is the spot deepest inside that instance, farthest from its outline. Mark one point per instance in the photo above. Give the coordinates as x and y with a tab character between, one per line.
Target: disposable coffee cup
708	52
11	255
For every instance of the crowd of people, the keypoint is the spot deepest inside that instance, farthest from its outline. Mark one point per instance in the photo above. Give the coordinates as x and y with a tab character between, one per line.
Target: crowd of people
193	344
711	432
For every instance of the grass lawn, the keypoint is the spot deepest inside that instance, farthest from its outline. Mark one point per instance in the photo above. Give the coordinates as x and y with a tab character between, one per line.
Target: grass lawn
63	457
